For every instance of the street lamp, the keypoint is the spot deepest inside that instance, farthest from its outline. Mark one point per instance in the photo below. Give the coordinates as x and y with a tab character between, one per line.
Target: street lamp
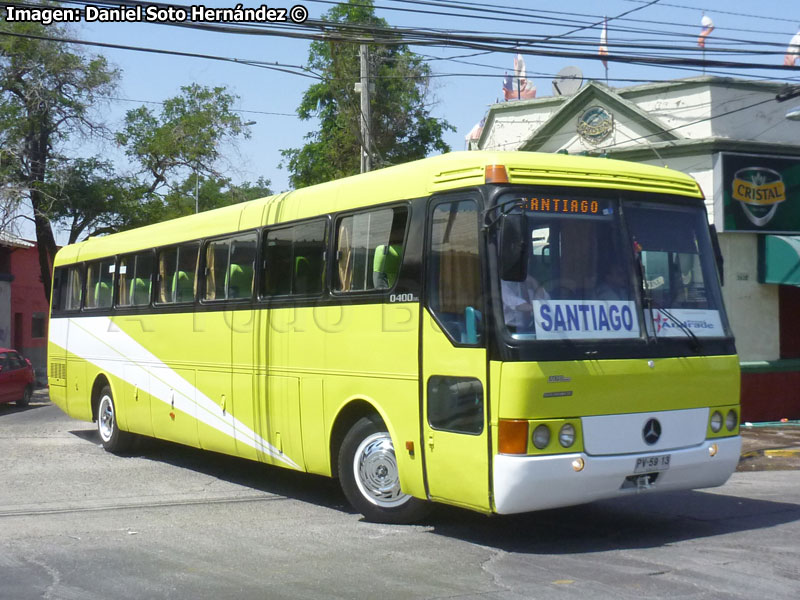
787	93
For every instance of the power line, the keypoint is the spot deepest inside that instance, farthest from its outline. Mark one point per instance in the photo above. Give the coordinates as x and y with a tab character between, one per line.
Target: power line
292	69
538	12
667	62
427	37
721	12
257	28
238	110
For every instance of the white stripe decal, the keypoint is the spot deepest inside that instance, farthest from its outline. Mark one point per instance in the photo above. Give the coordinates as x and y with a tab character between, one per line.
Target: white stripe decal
99	341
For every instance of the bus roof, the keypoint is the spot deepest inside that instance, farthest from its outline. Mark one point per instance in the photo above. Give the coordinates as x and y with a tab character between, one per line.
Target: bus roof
410	180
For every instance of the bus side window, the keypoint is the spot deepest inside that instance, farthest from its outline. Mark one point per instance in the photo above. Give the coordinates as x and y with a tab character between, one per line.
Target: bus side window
369	249
99	283
309	257
167	263
455	404
216	269
72	301
294	259
125	272
134	279
177	268
185	281
454	283
60	279
239	282
142	279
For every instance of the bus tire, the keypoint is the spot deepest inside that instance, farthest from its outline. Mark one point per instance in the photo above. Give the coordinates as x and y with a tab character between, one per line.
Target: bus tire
370	479
112	438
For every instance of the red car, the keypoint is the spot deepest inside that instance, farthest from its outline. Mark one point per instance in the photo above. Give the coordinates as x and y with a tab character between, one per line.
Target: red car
16	377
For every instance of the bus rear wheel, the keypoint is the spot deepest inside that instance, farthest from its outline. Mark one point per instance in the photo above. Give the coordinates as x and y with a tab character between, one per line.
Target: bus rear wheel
113	439
370	478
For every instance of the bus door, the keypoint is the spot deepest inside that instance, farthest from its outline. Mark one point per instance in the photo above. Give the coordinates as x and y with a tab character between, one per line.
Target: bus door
454	387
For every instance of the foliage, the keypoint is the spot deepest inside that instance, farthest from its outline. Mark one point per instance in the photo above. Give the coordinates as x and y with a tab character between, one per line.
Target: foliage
89	197
402	128
47	94
185	136
180	200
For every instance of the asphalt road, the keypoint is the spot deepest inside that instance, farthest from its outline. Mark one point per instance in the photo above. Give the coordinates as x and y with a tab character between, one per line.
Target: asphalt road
77	523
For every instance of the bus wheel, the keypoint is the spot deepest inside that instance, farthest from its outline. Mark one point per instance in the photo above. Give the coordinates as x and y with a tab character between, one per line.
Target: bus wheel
113	439
370	479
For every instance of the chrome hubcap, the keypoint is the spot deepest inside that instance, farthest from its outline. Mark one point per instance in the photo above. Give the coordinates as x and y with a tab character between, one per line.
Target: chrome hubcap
376	472
105	418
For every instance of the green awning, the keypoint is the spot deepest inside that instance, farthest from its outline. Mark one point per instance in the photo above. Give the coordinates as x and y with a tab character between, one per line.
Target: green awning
779	260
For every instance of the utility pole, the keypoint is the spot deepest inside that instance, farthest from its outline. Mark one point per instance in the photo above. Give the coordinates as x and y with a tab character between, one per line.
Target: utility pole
363	88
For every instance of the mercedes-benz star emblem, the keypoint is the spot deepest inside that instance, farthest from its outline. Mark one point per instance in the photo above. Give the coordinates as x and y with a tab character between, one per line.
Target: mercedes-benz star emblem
651	432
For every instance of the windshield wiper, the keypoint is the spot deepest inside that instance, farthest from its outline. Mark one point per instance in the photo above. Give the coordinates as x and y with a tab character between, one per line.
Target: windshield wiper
502	209
649	304
695	341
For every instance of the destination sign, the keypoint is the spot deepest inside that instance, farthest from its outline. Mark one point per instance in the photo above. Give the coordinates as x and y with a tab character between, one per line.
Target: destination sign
551	204
585	319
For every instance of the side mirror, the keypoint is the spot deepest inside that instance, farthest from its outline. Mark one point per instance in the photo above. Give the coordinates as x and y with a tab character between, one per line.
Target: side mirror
513	247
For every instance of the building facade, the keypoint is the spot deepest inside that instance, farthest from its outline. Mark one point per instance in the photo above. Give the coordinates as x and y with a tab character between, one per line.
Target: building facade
24	309
733	137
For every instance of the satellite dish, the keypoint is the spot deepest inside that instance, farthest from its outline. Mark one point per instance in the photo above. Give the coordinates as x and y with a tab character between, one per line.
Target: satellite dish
568	81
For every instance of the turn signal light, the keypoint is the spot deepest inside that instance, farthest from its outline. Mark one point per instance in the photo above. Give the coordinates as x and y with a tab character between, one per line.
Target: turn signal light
496	174
512	437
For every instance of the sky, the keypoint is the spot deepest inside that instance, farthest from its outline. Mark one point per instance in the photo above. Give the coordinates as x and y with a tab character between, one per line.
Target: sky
465	82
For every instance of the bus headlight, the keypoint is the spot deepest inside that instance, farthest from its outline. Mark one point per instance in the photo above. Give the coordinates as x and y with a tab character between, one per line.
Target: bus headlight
566	437
716	421
541	436
731	420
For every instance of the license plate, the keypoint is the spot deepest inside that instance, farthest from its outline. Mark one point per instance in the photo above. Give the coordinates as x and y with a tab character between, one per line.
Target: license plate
648	464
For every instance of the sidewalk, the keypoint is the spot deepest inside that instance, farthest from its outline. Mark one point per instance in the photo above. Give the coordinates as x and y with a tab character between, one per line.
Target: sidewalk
775	447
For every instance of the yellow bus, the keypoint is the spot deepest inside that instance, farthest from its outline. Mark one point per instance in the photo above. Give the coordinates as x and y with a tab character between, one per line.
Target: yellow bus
500	331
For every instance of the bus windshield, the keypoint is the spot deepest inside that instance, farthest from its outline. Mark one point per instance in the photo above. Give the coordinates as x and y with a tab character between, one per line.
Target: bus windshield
593	264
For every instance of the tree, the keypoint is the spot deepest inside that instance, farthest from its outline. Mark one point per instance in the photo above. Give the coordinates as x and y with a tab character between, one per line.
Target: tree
88	197
180	200
178	151
47	93
185	137
402	127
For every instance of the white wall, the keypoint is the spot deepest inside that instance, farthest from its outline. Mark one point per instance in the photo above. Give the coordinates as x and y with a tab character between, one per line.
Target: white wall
512	128
764	123
679	107
752	306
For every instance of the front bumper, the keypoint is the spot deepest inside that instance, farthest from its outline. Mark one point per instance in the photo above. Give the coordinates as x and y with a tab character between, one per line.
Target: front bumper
528	483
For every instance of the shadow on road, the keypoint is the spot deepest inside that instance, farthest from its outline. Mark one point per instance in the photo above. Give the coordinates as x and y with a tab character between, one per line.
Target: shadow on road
12	409
315	489
633	522
626	523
